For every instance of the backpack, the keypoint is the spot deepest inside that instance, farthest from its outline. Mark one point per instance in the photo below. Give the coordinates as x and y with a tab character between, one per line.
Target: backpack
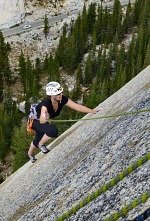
32	115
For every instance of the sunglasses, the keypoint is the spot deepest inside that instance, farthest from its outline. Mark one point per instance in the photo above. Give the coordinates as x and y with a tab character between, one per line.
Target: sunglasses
59	89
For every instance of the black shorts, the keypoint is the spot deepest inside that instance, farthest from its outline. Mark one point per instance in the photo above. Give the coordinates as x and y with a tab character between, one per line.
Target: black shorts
49	129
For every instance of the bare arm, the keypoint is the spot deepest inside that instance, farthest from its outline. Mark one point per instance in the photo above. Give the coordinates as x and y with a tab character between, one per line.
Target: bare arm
44	116
79	107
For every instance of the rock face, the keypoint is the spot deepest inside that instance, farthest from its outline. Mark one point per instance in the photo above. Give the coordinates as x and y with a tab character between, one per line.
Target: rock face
12	12
84	158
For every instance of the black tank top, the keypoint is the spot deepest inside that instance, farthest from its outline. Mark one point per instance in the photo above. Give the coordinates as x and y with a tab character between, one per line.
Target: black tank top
48	104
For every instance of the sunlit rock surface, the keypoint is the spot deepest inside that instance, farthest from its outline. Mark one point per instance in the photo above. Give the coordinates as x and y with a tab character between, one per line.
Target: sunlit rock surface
11	11
84	158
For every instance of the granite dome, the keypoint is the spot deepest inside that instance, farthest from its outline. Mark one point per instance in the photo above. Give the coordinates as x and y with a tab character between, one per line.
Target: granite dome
82	159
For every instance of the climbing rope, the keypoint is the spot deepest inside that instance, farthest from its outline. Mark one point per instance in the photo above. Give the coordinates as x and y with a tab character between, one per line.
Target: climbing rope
96	118
105	187
142	216
142	199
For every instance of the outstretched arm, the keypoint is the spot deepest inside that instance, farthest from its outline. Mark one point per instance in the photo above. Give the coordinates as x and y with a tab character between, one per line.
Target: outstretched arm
79	107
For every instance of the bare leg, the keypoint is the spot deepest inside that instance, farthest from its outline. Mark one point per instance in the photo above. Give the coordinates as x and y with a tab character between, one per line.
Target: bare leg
44	139
31	149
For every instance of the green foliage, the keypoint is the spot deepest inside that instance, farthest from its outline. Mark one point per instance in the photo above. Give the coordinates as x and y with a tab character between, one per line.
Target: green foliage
61	50
79	77
30	78
9	117
51	67
84	24
137	12
22	70
70	55
120	77
19	146
117	18
88	70
5	72
2	144
147	57
91	17
99	25
1	179
46	26
106	27
37	70
128	21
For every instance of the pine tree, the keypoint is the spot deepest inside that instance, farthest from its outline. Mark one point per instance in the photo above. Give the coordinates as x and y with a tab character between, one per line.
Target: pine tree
117	18
91	17
38	70
8	102
70	63
101	72
98	25
136	9
88	71
105	30
29	78
19	146
144	31
79	74
132	68
84	24
147	57
128	21
103	91
121	77
108	34
6	132
36	86
77	92
9	117
131	58
50	67
5	72
1	87
61	49
45	63
55	69
22	70
46	26
2	144
79	81
120	59
77	41
95	91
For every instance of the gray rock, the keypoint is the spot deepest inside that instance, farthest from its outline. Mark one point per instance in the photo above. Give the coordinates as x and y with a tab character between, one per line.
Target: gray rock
83	159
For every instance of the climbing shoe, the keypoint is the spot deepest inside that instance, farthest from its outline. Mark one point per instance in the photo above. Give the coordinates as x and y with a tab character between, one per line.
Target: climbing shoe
32	158
43	148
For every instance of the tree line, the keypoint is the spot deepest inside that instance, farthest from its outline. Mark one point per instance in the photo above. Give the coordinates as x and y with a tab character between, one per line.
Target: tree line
98	33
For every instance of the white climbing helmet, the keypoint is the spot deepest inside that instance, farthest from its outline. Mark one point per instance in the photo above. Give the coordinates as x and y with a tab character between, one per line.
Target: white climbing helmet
53	88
